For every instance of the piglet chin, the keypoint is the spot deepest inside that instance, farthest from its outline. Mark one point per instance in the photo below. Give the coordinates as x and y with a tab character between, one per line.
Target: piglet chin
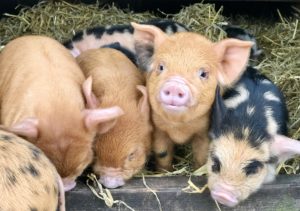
68	184
111	182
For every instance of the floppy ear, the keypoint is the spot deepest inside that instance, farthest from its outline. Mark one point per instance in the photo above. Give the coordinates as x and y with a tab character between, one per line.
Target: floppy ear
91	99
102	120
218	112
27	128
146	39
233	55
148	34
285	148
143	104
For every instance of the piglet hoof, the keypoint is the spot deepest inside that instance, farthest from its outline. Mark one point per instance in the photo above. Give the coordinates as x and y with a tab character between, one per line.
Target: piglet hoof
68	185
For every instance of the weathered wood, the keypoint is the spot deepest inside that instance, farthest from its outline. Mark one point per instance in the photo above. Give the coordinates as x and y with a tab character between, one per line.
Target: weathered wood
283	194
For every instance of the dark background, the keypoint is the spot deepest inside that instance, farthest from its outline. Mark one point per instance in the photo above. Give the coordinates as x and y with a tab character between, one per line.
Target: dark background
231	7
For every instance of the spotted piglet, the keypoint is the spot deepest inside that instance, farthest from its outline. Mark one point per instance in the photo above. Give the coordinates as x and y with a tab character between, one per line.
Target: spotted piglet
121	152
28	180
248	131
41	99
100	36
182	76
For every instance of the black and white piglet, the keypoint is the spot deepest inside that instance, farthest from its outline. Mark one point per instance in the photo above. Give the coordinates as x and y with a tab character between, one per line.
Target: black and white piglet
28	180
123	34
248	131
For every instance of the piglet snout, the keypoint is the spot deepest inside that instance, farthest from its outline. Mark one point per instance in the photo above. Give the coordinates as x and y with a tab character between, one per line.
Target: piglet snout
175	93
224	195
111	182
68	184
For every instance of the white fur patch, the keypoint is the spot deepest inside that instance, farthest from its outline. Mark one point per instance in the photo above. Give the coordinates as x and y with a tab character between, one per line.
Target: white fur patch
180	28
270	96
271	173
265	81
242	96
272	126
250	110
91	42
169	30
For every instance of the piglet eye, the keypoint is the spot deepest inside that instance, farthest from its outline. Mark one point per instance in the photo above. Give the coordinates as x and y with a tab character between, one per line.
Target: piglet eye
202	73
161	67
252	167
131	156
216	166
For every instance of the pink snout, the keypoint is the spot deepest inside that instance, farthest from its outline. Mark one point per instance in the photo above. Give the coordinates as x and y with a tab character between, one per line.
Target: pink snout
68	184
174	93
224	195
111	182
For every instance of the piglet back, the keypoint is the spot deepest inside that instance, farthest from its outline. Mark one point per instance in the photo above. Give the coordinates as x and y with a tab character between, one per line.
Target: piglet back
28	180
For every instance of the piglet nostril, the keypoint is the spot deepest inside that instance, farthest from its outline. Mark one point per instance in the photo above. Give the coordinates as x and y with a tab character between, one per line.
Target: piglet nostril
167	92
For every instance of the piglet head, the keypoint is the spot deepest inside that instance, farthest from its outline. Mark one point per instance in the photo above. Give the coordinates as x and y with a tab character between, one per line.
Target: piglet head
122	152
236	166
69	146
185	68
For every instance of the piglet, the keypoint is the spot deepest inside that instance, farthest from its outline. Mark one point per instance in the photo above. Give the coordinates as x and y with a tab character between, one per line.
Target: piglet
248	131
182	76
28	180
121	152
100	36
41	100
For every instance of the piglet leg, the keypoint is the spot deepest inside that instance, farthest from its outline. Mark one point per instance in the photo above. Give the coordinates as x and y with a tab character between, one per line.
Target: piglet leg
200	144
163	149
61	199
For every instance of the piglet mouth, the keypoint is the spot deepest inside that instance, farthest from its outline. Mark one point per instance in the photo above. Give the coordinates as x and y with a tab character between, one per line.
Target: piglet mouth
173	107
224	197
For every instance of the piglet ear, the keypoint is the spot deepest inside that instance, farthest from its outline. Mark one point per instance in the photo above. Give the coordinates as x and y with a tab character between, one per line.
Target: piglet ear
143	104
102	120
91	99
285	148
233	55
218	112
146	39
148	34
27	128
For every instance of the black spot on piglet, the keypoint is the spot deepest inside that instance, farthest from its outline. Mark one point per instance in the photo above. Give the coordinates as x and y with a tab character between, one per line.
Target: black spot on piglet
3	148
33	209
11	177
252	167
5	138
35	152
33	171
30	169
216	167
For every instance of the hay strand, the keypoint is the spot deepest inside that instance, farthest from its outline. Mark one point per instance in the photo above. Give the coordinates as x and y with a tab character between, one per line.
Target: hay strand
152	191
103	193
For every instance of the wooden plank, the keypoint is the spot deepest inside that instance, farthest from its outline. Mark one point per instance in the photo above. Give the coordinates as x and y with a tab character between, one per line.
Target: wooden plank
283	194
